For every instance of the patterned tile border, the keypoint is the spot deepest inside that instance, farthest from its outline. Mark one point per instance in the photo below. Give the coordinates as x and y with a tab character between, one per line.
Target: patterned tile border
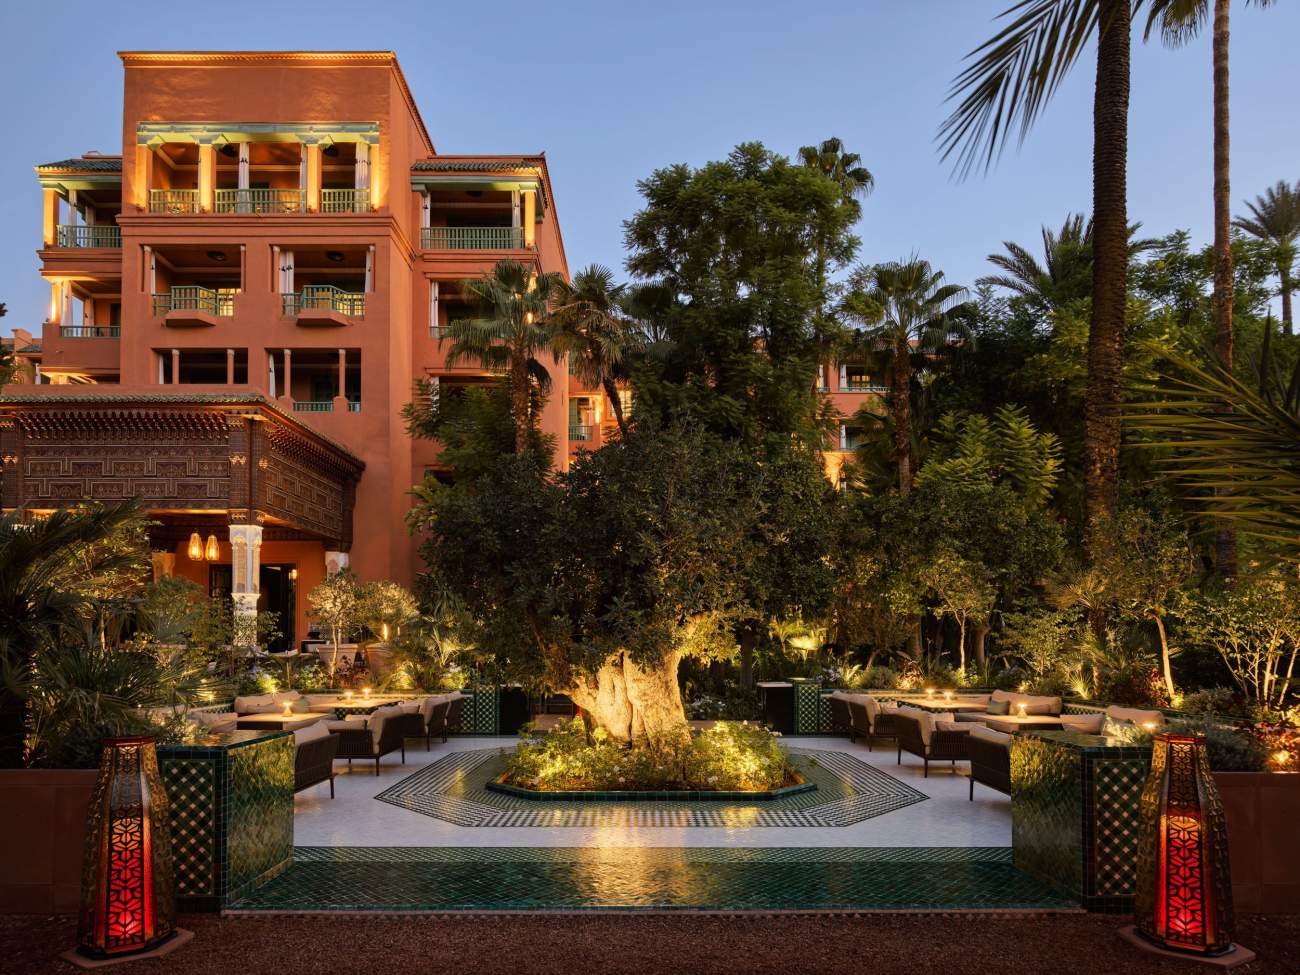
454	789
439	879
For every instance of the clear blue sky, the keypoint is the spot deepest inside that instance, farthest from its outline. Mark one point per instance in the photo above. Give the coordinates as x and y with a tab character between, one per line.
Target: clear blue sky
612	90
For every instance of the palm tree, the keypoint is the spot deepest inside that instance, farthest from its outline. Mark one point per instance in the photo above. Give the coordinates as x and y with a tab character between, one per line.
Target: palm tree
1180	21
1065	273
1011	78
845	168
905	305
1275	219
595	331
41	594
510	336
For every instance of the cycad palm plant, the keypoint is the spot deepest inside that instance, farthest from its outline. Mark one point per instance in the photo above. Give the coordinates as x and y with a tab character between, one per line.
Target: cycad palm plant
38	596
1275	219
1235	448
595	331
509	336
905	306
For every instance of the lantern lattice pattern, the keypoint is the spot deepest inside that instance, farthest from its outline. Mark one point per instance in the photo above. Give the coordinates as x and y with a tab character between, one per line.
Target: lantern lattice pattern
127	892
1184	888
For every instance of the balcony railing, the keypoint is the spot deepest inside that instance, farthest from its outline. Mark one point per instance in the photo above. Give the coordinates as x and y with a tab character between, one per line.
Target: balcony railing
261	200
90	331
863	387
193	297
174	201
345	201
89	235
472	238
580	431
325	297
323	406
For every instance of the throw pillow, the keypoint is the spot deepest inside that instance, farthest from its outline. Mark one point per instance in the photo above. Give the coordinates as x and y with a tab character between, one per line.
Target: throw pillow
999	707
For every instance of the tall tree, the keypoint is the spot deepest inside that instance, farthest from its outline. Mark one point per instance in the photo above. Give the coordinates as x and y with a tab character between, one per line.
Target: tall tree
595	332
509	337
905	305
1275	219
1010	79
1179	21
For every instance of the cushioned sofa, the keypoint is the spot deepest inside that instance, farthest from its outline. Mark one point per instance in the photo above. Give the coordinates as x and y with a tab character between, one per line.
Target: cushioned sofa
930	737
315	748
990	759
427	717
1009	703
864	715
373	735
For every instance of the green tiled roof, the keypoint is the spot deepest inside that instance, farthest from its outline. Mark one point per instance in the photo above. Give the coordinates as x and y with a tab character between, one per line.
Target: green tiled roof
494	166
92	164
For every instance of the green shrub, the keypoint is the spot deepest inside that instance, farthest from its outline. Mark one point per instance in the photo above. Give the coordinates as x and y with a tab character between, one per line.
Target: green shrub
730	756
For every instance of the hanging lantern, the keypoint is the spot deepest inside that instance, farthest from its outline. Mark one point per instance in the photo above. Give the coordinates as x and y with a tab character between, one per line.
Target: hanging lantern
1184	886
128	902
196	547
213	550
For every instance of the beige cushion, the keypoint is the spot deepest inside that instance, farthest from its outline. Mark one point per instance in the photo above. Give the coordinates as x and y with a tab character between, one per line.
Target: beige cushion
214	721
312	732
1088	724
942	725
1135	716
246	705
264	709
1034	703
411	707
988	734
378	719
318	699
923	718
333	724
281	696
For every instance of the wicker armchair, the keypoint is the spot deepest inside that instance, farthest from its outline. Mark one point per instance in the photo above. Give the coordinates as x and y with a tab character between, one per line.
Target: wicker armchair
870	720
990	760
313	763
918	736
455	713
436	723
382	733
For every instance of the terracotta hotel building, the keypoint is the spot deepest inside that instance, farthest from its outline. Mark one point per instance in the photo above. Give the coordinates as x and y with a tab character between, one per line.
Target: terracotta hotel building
241	302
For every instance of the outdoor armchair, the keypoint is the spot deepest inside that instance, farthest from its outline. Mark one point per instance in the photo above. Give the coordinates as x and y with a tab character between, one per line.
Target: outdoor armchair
990	760
375	736
315	748
921	735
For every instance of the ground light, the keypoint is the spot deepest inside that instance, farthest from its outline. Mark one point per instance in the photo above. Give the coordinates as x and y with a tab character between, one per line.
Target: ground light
1184	886
128	896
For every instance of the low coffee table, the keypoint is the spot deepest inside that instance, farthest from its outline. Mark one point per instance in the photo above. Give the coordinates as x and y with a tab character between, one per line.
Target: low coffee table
1011	723
277	722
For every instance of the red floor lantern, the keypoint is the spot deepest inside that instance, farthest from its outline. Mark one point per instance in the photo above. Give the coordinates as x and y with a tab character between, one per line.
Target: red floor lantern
1184	885
128	899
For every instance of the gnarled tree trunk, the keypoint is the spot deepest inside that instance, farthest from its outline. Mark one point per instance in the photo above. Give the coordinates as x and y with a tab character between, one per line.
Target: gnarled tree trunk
633	702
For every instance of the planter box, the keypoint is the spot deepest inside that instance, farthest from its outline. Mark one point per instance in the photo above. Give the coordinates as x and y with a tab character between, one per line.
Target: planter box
1262	809
42	831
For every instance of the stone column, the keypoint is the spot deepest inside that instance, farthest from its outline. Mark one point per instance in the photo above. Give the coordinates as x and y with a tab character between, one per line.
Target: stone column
336	562
230	367
530	218
176	367
207	176
245	565
50	217
287	391
341	400
164	564
313	176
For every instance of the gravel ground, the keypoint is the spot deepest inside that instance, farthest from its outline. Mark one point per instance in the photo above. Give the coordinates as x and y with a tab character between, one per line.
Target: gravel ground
639	945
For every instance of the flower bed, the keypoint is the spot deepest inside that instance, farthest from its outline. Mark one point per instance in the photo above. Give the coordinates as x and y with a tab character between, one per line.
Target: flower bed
726	761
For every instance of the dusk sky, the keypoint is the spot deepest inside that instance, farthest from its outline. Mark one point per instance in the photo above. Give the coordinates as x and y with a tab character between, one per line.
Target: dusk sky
612	91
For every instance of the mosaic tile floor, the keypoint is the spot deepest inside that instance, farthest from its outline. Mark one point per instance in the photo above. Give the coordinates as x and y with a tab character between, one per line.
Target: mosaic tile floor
639	878
848	791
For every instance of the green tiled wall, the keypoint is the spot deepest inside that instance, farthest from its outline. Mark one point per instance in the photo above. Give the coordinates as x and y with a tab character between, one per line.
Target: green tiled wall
480	715
1074	811
807	707
231	815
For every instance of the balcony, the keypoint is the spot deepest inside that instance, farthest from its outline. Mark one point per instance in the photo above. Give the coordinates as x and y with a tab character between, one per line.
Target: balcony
90	331
88	235
192	305
174	201
324	304
863	387
323	406
580	431
261	201
472	238
345	201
